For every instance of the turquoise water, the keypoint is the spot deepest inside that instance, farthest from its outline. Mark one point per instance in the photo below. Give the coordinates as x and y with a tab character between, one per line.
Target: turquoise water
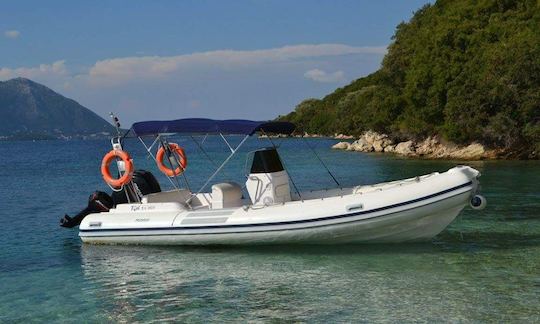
484	267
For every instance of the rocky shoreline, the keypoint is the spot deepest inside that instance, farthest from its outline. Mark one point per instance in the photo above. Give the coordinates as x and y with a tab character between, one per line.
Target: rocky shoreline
430	148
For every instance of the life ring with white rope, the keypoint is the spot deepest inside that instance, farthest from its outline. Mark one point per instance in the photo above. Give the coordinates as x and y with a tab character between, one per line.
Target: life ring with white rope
182	160
128	168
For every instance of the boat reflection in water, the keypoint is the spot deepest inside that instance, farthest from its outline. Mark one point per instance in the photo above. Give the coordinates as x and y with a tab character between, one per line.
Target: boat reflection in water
137	283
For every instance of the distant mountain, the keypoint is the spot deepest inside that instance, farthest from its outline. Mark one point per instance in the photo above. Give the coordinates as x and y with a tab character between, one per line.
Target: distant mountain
31	110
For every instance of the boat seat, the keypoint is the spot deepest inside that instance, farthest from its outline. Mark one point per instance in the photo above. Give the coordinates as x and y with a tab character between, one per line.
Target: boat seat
180	195
226	195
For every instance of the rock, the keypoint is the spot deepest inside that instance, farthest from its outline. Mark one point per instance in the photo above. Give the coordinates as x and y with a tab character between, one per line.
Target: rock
431	148
381	143
369	141
377	141
378	146
361	145
342	136
472	152
371	136
405	148
427	146
341	146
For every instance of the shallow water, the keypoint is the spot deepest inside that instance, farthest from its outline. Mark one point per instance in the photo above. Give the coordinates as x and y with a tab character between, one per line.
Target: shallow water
484	267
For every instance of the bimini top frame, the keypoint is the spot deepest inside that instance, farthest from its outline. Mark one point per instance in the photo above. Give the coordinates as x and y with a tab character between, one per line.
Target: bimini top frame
191	126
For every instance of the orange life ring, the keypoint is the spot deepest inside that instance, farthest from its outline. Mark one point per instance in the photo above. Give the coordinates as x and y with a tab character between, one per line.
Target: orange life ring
175	148
128	173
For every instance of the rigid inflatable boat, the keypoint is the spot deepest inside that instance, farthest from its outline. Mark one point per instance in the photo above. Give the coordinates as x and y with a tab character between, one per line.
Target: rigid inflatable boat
264	209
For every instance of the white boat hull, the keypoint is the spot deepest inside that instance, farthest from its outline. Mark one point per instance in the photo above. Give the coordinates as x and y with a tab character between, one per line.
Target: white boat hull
415	225
412	210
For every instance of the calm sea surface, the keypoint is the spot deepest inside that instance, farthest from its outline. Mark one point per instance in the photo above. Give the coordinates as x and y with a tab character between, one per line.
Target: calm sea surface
484	267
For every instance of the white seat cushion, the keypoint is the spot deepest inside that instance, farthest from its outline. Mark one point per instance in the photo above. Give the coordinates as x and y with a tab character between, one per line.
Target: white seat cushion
180	196
226	195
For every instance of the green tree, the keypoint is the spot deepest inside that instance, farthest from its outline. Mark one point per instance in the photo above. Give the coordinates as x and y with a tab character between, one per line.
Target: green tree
465	70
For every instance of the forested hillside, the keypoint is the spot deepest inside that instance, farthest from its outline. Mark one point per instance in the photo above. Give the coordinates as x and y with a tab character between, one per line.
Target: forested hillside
465	70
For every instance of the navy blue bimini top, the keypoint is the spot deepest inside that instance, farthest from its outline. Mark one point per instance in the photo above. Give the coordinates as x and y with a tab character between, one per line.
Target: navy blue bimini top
211	126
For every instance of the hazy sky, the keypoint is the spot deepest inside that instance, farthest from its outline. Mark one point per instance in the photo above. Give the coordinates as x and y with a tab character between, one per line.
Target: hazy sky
251	59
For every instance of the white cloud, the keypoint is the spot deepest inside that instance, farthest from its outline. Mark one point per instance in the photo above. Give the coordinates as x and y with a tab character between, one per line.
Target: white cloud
121	70
322	76
12	34
55	69
118	71
257	84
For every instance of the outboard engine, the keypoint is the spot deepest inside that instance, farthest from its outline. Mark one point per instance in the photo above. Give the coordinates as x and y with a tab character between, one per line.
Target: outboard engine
144	183
268	182
98	202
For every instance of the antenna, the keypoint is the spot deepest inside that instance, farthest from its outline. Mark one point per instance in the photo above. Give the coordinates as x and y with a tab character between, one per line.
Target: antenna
116	123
